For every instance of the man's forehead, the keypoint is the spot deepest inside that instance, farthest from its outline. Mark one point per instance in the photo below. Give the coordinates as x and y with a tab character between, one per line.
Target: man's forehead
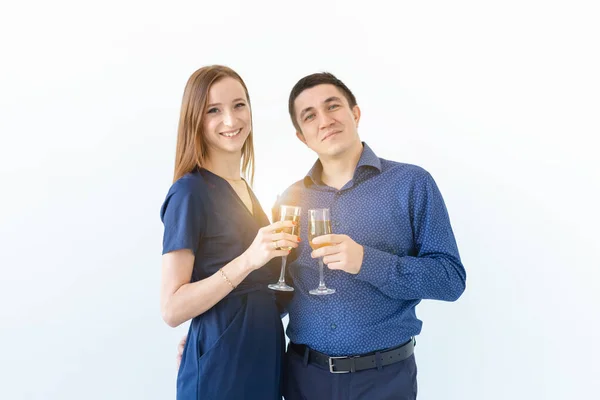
316	95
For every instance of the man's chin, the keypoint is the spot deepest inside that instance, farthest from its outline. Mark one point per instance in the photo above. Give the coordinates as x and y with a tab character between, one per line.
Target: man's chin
335	151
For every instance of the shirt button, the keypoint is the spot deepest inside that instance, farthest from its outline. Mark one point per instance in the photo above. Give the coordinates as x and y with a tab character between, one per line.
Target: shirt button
333	326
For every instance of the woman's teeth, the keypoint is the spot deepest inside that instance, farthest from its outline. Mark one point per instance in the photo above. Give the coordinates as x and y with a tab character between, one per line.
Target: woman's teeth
231	134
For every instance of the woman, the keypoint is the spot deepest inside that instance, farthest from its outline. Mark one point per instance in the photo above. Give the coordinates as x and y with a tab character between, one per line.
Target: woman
217	240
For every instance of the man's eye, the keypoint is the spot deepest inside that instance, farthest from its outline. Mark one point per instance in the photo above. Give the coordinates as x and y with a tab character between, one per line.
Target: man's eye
333	106
309	116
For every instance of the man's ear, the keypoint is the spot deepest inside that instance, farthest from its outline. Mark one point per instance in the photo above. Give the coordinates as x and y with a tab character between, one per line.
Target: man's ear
356	113
300	136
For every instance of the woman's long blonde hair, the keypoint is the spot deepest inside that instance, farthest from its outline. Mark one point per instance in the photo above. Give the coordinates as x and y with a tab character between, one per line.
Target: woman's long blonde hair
192	149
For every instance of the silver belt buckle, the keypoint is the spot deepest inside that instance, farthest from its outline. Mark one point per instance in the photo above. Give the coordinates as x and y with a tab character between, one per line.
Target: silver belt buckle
331	365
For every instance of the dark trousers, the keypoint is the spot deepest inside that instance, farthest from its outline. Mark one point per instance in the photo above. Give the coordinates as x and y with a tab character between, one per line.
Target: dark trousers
303	381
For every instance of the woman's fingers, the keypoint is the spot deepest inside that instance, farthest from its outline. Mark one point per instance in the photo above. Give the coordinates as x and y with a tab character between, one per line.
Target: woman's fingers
284	236
279	225
284	243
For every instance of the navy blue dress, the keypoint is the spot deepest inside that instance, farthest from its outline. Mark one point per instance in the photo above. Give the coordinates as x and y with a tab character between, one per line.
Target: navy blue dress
235	349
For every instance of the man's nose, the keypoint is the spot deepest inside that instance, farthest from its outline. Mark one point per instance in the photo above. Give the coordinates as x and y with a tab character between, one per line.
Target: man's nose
325	121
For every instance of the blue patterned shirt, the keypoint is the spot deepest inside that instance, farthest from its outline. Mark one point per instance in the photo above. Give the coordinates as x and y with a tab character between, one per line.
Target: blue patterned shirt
396	212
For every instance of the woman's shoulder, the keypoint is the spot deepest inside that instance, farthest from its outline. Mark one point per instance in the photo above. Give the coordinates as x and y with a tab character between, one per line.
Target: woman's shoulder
192	182
190	188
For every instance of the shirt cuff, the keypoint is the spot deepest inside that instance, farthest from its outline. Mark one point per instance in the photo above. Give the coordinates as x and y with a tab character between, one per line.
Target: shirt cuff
376	267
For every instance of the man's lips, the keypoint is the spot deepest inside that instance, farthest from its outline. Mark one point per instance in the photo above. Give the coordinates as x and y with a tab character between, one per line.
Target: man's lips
329	134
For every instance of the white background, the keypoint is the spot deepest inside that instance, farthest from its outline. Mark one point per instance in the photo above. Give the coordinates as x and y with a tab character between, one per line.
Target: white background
498	100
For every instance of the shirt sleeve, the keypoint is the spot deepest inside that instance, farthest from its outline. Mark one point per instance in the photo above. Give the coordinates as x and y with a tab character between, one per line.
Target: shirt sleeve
183	218
434	270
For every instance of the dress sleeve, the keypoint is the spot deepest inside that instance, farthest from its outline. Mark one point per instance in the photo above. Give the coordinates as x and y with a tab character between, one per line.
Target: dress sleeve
183	217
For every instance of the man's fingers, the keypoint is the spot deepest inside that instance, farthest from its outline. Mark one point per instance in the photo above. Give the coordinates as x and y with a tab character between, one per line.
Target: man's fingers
322	239
332	259
331	238
181	344
335	265
325	251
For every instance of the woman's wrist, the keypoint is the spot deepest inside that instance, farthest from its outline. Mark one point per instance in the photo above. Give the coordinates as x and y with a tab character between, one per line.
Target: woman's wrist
241	267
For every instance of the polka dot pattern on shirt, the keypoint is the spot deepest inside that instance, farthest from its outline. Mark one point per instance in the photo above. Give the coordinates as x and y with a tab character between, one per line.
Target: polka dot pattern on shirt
396	212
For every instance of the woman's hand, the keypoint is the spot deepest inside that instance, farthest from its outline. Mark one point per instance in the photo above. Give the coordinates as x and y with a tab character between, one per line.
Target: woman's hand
270	242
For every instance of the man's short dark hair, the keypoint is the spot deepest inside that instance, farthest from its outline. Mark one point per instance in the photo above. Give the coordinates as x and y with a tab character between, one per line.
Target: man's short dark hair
310	81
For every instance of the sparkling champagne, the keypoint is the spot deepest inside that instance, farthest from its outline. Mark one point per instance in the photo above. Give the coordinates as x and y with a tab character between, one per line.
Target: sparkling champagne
318	228
319	224
287	213
294	230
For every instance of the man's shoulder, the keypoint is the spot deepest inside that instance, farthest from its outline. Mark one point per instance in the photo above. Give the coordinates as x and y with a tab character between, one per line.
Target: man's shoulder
404	170
293	194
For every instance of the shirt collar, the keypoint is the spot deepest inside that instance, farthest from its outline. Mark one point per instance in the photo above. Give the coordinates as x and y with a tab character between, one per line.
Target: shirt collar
367	159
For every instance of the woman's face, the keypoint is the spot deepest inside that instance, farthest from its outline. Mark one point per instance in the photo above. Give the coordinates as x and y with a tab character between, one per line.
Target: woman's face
228	121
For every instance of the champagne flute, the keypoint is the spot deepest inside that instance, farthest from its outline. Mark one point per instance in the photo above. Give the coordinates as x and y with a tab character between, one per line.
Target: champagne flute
319	223
287	213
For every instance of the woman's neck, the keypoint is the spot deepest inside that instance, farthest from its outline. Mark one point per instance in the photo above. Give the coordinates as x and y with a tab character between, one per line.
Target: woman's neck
227	166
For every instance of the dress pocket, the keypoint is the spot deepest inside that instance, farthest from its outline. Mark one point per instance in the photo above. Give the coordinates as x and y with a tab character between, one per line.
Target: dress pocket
220	323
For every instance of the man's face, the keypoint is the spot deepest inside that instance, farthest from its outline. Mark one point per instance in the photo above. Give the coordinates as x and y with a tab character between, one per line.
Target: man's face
328	124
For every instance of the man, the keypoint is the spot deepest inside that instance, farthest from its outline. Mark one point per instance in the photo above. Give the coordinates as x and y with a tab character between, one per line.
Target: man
392	246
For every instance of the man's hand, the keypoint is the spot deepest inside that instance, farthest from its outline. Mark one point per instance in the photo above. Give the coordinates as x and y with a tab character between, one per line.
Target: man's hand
180	348
340	252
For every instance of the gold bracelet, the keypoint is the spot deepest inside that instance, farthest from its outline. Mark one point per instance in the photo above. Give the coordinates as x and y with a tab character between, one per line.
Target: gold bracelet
226	278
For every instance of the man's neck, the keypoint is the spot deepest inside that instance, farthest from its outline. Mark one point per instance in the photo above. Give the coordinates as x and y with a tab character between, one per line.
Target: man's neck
339	170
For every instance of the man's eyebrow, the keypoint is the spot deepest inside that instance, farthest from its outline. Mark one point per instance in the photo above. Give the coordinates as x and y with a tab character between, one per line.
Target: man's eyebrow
328	100
307	109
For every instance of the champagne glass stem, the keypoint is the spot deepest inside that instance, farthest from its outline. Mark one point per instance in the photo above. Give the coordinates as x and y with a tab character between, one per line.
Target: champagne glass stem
321	279
282	275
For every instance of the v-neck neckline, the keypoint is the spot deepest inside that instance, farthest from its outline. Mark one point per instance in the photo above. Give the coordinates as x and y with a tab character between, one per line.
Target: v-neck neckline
240	199
253	199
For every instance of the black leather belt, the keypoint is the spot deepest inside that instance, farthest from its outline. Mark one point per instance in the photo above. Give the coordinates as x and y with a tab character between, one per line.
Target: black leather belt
343	365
